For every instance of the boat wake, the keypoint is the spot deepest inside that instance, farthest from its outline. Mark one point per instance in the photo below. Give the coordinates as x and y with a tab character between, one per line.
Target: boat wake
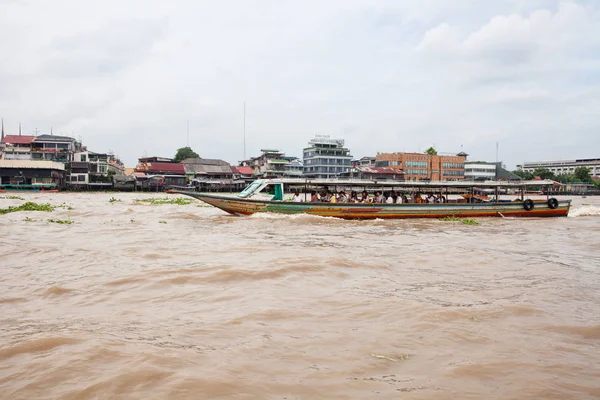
585	211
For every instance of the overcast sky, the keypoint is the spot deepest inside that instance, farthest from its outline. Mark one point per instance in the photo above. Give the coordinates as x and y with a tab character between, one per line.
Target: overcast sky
385	75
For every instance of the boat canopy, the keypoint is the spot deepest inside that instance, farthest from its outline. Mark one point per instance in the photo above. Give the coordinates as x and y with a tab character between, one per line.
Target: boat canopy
389	183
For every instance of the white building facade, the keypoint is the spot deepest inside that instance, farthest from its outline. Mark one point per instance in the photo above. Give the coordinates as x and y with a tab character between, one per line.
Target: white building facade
480	171
565	166
326	158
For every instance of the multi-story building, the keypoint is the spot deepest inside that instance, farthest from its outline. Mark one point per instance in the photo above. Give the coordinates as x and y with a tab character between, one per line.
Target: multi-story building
16	147
326	158
89	168
480	171
364	162
565	166
418	166
54	148
273	163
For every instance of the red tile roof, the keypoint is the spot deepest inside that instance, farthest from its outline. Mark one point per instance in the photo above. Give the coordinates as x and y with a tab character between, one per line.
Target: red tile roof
244	170
18	139
159	167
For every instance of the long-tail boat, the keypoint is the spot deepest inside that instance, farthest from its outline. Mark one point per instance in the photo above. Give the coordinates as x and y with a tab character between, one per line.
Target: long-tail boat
267	195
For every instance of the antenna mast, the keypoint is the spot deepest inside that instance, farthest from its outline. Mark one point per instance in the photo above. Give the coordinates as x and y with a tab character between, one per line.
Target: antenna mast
188	133
244	131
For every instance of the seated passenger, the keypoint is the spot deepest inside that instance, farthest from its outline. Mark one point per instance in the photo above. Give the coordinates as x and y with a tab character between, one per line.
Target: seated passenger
296	198
314	197
332	198
342	198
379	198
391	198
353	197
440	199
365	197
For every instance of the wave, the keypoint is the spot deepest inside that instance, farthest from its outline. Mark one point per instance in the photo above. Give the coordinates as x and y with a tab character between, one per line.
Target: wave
585	211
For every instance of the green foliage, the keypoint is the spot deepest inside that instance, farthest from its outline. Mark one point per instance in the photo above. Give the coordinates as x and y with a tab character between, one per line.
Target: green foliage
61	221
12	198
162	222
113	200
185	152
470	222
29	206
27	219
523	174
450	218
431	151
583	174
182	201
543	173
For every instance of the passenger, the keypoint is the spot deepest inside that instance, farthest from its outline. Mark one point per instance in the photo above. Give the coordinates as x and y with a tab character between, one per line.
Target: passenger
365	197
430	199
332	198
342	198
324	198
440	198
353	197
379	198
314	197
391	198
418	198
296	198
402	199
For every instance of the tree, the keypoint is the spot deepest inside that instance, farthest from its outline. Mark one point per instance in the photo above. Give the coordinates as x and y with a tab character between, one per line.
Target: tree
543	173
185	152
523	174
583	174
431	151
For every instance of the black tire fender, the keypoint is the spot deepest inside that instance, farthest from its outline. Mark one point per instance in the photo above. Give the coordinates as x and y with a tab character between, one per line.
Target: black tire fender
552	203
528	205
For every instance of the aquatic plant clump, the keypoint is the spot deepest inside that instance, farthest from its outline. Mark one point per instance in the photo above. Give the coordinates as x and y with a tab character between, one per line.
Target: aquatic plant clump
450	219
29	206
182	201
12	197
470	222
61	221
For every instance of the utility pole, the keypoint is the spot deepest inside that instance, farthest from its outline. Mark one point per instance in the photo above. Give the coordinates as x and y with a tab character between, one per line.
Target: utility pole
244	130
188	133
2	129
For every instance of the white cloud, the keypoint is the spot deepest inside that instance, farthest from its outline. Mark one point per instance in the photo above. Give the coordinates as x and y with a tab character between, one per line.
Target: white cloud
387	75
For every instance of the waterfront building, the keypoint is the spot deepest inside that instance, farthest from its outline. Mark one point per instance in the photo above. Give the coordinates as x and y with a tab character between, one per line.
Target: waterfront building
89	169
272	163
54	148
16	147
488	171
564	166
364	162
419	166
326	158
29	172
156	173
294	168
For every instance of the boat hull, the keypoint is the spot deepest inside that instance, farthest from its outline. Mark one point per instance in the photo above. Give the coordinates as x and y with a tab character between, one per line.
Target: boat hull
239	206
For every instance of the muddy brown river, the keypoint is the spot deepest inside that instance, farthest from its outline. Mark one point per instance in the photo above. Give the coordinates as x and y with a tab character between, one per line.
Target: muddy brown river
135	300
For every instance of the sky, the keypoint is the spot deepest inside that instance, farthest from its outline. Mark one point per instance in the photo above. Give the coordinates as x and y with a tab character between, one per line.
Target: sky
385	75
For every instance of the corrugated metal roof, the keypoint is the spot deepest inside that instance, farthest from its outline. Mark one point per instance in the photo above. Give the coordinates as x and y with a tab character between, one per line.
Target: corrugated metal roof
32	164
17	139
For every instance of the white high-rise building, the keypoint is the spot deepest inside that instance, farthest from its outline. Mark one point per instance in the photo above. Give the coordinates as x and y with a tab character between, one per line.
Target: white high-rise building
326	158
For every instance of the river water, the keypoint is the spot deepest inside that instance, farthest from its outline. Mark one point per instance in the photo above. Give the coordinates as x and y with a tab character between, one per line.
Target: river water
142	301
